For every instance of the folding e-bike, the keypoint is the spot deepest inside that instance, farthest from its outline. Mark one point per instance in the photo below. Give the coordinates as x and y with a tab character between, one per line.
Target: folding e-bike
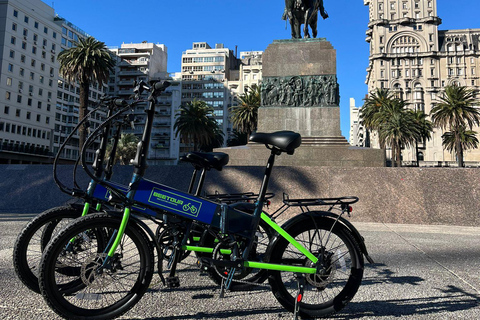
315	261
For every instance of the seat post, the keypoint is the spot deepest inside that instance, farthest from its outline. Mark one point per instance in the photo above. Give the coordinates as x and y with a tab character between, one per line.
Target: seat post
260	200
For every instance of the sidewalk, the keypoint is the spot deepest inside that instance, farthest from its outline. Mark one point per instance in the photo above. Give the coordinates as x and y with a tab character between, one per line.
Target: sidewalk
420	272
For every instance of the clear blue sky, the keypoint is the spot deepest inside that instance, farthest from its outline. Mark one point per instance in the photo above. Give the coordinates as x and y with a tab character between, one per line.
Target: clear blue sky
248	24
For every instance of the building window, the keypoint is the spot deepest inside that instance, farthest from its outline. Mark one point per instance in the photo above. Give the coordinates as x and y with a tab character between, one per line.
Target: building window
9	81
22	72
34	50
47	120
26	19
54	34
24	45
14	26
17	112
6	110
35	24
45	30
39	117
29	115
13	40
15	13
10	67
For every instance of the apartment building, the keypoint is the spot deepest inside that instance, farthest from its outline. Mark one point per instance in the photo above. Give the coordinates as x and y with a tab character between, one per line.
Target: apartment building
357	130
68	98
148	61
206	73
28	80
412	57
38	109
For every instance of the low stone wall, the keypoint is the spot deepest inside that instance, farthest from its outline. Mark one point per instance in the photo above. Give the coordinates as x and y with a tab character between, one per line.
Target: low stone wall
393	195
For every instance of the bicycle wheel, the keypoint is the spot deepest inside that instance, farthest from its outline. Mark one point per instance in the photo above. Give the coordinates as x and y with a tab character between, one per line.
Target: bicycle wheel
106	291
248	277
33	239
337	282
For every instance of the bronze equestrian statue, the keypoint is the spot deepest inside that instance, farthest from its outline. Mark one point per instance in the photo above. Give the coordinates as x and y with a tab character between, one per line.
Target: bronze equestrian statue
303	12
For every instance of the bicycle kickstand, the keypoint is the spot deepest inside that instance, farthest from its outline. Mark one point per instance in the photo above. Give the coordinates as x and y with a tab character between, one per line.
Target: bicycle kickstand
226	282
301	286
172	280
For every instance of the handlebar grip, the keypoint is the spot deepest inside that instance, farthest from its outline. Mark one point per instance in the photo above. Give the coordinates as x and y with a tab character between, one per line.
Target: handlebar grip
120	103
161	85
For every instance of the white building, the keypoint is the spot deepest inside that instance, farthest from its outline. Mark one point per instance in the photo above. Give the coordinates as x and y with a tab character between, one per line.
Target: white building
28	80
148	61
37	108
206	73
412	57
357	131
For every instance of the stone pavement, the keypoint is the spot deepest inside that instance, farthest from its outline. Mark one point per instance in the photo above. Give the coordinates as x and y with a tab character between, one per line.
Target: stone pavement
421	272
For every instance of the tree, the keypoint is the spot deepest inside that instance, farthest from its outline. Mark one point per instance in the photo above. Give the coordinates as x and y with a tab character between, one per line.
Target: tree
126	148
456	112
195	123
468	140
397	128
425	128
244	117
373	106
88	62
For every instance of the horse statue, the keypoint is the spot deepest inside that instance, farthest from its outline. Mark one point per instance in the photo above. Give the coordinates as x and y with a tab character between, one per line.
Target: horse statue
303	12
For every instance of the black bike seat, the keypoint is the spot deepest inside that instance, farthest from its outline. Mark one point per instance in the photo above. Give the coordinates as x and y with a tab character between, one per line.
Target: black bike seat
206	160
286	141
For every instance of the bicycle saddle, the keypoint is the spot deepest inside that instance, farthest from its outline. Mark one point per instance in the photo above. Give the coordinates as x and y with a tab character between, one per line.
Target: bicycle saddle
207	160
286	141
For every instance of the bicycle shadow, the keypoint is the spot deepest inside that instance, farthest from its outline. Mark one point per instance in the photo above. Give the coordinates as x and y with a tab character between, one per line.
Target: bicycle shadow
224	314
455	300
382	274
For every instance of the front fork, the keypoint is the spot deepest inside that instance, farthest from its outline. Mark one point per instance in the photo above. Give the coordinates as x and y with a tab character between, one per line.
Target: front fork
123	225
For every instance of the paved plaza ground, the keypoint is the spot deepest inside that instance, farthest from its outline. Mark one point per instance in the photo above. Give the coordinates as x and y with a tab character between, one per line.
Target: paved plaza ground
421	272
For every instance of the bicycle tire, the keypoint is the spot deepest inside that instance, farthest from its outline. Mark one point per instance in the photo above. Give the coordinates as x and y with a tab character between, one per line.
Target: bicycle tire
133	263
27	252
327	293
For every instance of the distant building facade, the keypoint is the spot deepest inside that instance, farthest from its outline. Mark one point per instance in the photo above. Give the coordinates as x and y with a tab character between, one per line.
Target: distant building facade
206	72
38	110
357	130
412	57
148	61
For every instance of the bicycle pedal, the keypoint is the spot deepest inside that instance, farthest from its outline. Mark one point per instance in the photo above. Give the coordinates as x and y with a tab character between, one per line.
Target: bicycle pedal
173	282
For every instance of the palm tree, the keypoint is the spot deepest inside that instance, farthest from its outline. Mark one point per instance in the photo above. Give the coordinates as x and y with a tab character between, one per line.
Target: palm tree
425	128
244	117
456	113
468	140
88	62
373	106
397	128
126	148
196	123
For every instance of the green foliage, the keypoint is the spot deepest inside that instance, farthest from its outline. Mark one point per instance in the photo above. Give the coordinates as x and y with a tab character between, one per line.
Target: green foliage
126	148
456	112
88	62
468	140
396	125
244	117
195	123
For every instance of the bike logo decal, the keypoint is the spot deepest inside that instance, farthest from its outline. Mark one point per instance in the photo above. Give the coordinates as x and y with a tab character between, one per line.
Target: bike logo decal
175	202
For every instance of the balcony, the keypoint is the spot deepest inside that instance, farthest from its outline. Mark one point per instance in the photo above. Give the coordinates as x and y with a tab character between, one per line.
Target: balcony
131	73
162	124
378	22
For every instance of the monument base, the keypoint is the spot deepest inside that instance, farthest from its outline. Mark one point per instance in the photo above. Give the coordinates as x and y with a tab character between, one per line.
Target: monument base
307	155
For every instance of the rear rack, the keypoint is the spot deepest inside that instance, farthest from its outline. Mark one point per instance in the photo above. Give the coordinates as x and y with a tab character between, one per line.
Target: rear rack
342	203
318	201
229	198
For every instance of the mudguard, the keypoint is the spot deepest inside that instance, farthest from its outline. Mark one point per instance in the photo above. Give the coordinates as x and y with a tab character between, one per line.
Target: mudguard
305	218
